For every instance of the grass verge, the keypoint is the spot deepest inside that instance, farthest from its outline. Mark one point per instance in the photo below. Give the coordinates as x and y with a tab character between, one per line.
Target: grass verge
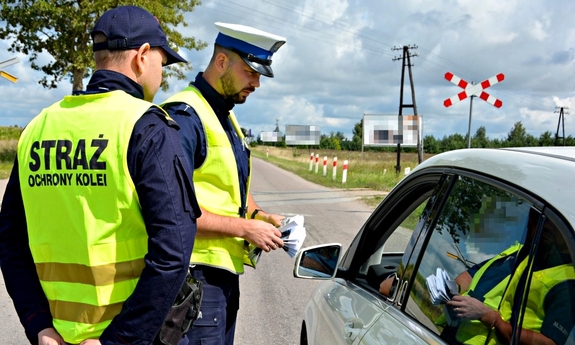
371	170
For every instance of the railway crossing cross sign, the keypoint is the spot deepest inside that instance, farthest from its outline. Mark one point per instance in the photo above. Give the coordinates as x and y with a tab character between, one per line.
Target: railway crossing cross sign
7	63
473	89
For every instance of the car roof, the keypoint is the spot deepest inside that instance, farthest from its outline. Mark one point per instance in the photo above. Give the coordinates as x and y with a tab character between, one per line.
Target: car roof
548	172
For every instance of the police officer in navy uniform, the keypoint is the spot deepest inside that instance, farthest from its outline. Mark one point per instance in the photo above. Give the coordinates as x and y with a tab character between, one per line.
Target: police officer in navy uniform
98	218
231	221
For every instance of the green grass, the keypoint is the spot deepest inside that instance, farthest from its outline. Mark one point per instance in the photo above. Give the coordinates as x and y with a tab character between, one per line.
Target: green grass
8	144
371	170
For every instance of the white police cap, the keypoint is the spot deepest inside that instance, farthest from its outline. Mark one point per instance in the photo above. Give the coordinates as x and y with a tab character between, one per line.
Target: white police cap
254	46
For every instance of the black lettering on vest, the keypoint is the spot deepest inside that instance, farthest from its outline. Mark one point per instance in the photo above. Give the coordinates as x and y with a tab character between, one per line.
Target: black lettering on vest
63	150
35	164
101	145
86	179
40	179
101	179
80	155
47	145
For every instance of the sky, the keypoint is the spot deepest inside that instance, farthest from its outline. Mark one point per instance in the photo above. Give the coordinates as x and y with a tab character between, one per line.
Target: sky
338	64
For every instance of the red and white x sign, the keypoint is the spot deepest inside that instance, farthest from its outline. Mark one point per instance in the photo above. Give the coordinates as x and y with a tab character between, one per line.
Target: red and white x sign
473	89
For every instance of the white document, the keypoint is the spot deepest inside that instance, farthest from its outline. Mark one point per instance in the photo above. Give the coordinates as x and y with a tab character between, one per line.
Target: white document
293	235
440	286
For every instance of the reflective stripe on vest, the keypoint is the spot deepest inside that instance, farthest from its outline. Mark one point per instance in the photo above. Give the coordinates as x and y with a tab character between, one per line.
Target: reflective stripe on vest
86	231
217	185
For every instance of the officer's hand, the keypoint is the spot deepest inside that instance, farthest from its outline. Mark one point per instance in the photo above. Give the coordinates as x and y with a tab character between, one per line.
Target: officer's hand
273	219
263	235
49	336
91	342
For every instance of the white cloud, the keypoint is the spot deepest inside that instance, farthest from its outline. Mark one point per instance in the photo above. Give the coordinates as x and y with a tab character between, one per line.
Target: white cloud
338	63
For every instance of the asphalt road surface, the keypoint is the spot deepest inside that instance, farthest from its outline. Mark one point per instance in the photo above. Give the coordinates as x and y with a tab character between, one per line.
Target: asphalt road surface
272	301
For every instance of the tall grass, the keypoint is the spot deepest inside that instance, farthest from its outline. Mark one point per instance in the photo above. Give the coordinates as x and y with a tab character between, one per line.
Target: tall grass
8	144
373	170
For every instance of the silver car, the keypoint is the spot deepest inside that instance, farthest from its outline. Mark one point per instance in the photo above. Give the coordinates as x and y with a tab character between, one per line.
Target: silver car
472	247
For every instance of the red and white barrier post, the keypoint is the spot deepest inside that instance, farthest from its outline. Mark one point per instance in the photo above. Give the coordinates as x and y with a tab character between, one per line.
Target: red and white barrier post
316	162
311	161
344	174
267	153
334	168
324	165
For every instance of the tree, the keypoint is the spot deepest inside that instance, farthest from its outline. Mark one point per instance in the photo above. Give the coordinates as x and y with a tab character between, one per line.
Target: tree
357	132
480	138
546	139
517	137
62	29
431	145
453	142
331	142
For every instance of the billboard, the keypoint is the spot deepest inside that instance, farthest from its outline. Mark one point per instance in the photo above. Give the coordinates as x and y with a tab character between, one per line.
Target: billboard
302	135
390	130
271	137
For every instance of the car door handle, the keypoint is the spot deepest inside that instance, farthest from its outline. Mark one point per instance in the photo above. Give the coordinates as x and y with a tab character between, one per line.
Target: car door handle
351	329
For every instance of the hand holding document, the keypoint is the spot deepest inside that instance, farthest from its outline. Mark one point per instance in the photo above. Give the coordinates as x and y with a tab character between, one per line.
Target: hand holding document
441	287
293	234
441	290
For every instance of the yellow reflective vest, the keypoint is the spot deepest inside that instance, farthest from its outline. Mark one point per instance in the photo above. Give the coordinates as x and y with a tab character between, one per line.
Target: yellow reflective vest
85	226
217	186
501	299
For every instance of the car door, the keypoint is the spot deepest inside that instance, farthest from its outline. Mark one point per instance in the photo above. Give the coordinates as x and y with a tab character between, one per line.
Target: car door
350	305
495	235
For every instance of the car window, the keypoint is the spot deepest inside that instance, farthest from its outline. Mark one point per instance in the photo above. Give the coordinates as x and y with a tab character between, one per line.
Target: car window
480	226
391	231
386	260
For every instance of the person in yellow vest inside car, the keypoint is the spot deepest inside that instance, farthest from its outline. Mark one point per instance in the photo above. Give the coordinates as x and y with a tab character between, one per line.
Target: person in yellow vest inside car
99	217
214	142
489	302
487	305
549	314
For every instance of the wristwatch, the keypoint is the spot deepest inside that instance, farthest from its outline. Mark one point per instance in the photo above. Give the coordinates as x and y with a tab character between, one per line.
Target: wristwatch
253	216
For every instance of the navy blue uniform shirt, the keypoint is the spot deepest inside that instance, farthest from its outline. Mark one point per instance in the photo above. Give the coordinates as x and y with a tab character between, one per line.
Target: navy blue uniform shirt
194	138
161	174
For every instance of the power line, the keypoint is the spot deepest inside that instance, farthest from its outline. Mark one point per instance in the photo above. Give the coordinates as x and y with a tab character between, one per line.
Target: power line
371	39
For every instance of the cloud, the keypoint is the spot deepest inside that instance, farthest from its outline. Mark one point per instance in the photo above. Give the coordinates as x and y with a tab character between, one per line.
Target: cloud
339	63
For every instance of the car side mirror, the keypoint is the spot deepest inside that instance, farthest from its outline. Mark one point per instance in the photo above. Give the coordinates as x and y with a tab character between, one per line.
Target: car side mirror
318	262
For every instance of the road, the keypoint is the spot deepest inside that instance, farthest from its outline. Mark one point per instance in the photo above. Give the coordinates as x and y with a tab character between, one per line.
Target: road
272	301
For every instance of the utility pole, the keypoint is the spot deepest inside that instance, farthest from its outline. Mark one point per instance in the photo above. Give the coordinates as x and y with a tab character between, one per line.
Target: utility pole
469	126
277	129
562	112
406	62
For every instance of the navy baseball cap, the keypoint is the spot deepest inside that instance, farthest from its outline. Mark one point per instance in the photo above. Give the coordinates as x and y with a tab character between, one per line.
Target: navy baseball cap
129	27
255	47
